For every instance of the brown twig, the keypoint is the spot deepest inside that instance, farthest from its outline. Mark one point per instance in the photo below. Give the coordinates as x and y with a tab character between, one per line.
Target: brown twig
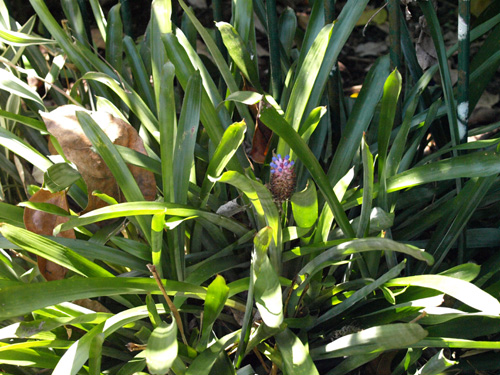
423	315
261	360
170	304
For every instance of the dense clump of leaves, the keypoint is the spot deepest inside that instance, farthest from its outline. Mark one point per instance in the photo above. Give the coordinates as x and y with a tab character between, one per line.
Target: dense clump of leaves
149	223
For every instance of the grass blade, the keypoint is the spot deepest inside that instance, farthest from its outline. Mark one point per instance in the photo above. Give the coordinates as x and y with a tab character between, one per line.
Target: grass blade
114	40
478	164
462	290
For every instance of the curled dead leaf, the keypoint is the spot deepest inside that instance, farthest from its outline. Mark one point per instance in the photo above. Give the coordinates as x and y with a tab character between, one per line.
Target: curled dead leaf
63	124
44	223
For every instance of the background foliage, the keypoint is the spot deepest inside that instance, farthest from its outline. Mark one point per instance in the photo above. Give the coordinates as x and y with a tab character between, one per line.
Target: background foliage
139	233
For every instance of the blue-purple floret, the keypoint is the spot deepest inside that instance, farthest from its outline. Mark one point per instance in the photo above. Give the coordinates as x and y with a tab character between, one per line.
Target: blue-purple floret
279	164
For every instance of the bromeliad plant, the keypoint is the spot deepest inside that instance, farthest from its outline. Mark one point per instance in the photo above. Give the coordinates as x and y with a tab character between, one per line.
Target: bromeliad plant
139	237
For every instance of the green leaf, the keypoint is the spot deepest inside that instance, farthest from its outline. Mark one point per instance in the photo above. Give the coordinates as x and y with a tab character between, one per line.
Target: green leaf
303	84
114	38
95	354
436	365
464	205
311	123
9	82
366	208
231	140
31	357
28	121
139	72
359	119
186	138
305	206
388	105
478	164
45	207
24	298
360	294
76	356
361	245
74	17
351	363
160	24
150	208
115	163
217	293
50	250
11	214
345	23
99	17
375	339
218	59
264	206
130	98
287	27
261	243
239	53
78	53
20	39
60	176
462	290
205	360
245	97
456	129
326	217
162	348
73	14
267	288
23	149
157	226
296	359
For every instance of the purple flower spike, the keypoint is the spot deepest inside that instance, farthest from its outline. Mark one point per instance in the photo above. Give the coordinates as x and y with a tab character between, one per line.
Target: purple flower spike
283	178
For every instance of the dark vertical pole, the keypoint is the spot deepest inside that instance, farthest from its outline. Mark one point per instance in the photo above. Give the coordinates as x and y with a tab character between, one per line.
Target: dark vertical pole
463	90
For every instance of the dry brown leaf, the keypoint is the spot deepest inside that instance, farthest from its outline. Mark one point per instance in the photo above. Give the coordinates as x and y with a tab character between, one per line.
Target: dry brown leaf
44	223
63	124
303	20
260	142
371	49
425	50
92	305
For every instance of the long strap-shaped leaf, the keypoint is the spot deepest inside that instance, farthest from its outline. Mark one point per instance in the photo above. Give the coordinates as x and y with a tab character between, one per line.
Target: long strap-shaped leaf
478	164
25	298
359	119
437	37
50	250
115	163
342	30
265	208
218	58
304	84
151	208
